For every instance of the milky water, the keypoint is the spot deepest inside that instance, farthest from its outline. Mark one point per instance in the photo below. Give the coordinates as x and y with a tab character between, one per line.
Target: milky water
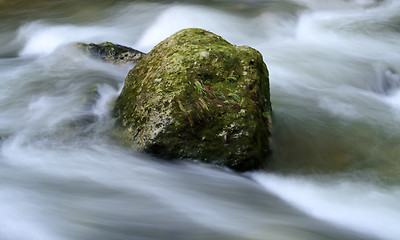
335	92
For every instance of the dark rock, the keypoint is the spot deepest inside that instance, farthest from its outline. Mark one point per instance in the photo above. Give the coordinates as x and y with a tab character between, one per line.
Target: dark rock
111	52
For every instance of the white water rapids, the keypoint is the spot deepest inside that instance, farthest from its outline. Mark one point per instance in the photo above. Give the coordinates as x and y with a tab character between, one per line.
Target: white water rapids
335	85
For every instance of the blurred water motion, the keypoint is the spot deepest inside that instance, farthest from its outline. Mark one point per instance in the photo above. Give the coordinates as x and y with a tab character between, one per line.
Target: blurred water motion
335	93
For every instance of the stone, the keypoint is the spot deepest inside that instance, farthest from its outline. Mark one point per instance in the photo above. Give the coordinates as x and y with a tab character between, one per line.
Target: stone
196	96
111	52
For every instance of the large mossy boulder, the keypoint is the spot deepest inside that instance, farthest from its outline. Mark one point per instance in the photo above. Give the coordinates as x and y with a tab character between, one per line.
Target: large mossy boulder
197	96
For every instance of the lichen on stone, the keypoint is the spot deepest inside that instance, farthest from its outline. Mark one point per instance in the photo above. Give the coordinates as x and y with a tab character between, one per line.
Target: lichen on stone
197	96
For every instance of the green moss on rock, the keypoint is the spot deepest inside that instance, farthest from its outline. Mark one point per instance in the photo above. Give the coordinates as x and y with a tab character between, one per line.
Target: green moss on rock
197	96
111	52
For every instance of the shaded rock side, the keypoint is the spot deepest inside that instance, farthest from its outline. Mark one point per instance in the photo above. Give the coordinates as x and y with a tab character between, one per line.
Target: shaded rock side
111	52
197	96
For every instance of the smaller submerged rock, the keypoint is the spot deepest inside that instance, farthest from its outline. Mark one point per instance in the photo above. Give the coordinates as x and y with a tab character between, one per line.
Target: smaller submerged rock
111	52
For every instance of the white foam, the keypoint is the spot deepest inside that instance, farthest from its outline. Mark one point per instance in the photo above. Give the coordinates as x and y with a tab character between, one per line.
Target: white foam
20	219
40	38
339	108
354	205
176	18
103	104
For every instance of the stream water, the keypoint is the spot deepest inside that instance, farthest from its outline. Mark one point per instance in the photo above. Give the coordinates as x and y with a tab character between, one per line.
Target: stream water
335	85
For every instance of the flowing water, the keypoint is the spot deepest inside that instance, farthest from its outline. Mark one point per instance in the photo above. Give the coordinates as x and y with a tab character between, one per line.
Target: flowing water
335	84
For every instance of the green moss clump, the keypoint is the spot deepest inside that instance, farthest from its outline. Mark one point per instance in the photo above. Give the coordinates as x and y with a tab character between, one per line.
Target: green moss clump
197	96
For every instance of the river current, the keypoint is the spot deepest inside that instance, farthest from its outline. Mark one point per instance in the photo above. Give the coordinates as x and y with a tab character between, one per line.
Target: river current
335	88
